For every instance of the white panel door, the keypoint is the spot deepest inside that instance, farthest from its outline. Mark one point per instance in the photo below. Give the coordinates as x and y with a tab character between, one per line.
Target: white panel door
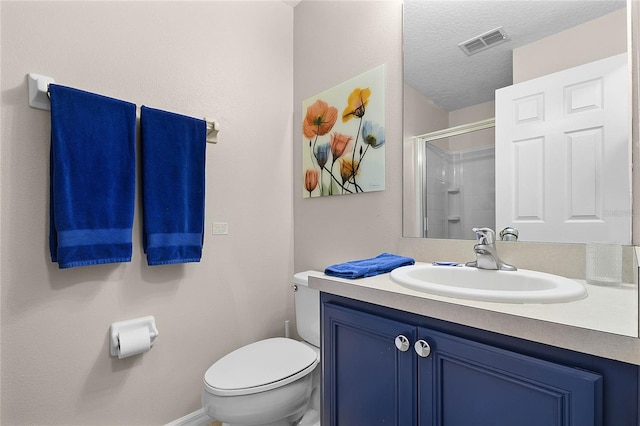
563	155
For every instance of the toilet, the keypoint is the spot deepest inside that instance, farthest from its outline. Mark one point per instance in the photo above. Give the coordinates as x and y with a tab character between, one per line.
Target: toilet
272	382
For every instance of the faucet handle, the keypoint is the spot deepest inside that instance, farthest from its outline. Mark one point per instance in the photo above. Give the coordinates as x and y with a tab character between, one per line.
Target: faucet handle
485	236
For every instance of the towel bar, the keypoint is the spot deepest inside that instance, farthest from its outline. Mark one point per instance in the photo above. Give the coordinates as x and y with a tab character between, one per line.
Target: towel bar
39	99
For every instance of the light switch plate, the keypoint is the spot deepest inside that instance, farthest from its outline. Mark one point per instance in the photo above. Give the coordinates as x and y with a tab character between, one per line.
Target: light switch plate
220	228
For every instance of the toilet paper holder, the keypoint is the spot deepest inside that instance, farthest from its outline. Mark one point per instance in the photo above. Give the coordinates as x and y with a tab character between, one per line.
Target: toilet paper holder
124	326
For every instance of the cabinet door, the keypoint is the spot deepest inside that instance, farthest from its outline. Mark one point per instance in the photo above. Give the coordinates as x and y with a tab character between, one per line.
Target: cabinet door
367	380
466	383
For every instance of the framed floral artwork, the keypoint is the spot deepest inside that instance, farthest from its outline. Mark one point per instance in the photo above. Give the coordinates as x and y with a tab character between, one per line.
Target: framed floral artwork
343	138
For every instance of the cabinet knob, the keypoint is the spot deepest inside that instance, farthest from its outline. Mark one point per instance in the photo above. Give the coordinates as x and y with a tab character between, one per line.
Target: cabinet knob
402	343
422	348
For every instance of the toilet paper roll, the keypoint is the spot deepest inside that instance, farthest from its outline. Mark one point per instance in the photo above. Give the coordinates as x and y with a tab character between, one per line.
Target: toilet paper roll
133	342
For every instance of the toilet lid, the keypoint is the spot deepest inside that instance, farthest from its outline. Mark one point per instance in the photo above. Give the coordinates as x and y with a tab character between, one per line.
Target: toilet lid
260	366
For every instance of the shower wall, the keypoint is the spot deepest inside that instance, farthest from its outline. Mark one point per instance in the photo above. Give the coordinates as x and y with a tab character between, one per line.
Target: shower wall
460	190
436	183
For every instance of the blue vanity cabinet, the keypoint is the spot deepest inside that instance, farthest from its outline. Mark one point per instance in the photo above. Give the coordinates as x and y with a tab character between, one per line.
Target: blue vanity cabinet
366	379
462	382
371	378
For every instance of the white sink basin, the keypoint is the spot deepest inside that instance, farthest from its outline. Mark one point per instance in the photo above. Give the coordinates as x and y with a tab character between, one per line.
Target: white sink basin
521	286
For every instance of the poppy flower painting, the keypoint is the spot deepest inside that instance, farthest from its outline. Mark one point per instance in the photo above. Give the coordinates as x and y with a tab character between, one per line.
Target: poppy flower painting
344	138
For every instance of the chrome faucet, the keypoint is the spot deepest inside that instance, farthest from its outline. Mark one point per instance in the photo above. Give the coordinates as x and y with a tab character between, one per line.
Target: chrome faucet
487	253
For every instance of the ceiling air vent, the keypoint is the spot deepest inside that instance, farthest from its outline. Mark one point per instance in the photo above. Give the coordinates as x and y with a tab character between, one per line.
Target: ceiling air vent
484	41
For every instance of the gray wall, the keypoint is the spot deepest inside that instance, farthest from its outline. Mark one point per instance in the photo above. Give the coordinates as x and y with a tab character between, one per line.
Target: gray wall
230	61
334	42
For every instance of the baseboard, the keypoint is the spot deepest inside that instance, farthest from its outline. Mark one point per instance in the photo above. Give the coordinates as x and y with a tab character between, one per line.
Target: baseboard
197	418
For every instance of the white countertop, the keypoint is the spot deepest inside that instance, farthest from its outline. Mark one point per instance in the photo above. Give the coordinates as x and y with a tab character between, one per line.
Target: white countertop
603	324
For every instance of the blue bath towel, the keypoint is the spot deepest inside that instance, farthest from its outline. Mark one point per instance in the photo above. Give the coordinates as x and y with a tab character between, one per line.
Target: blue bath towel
380	264
92	185
173	184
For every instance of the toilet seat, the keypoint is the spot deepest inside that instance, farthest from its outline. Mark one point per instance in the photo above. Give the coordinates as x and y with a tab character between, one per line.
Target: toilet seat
260	366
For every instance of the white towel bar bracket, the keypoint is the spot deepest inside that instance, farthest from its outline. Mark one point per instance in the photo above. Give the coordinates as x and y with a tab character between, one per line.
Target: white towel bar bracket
39	99
38	88
213	127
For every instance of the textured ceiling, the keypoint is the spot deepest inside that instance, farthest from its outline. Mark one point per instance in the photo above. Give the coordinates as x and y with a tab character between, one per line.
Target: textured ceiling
435	65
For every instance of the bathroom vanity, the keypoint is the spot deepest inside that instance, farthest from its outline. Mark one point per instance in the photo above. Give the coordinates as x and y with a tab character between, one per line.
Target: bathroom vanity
391	355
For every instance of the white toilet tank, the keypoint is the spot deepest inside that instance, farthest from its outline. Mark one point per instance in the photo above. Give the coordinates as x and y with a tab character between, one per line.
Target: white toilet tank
307	305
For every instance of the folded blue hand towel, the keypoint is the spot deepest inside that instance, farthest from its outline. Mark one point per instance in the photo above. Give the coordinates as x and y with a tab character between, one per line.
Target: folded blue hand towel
173	184
92	171
380	264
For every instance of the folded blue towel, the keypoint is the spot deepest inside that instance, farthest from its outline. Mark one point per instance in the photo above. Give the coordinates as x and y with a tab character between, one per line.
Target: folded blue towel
380	264
173	184
92	185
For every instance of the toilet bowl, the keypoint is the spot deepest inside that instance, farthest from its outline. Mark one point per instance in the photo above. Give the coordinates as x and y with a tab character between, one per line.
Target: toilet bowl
272	382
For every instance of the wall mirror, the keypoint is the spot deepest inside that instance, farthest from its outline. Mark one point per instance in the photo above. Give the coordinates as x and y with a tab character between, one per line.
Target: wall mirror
457	56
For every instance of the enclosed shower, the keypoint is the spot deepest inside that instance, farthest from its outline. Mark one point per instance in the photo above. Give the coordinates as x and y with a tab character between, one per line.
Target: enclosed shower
458	180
